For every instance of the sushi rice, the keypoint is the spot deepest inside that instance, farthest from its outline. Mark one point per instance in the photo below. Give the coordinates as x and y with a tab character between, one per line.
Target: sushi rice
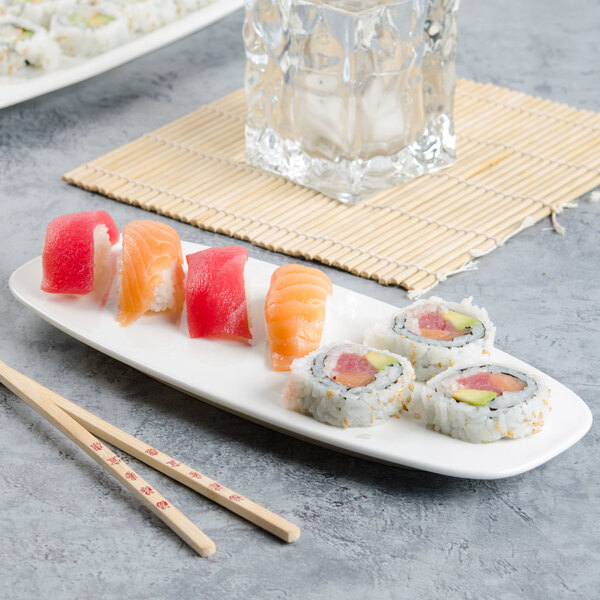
24	43
188	6
401	334
144	15
37	11
513	414
312	389
84	30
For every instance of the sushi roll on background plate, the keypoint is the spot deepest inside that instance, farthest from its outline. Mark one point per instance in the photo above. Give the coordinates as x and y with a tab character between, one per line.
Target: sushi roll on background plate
37	11
436	335
349	385
23	43
187	6
485	403
144	15
83	30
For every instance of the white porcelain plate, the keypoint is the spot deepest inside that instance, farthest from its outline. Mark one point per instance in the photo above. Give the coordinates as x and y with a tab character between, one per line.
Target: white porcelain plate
30	83
238	378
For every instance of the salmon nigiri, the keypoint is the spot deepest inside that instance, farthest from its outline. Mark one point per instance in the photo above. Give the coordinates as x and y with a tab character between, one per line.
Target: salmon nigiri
152	272
295	313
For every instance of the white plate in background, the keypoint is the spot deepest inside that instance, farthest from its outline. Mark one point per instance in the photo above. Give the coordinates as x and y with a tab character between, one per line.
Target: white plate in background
204	368
33	82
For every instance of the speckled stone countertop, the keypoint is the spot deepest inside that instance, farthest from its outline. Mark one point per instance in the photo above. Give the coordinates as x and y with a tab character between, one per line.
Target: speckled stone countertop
368	531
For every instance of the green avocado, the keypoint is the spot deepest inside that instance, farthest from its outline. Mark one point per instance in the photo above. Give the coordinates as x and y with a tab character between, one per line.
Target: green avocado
380	361
459	320
96	20
474	397
25	33
77	19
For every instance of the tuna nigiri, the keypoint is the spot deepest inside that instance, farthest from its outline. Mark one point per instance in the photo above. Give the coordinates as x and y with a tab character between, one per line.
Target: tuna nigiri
295	313
215	294
152	272
76	254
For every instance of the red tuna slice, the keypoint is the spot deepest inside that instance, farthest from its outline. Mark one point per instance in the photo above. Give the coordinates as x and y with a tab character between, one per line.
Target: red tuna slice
68	254
215	294
353	370
434	326
480	381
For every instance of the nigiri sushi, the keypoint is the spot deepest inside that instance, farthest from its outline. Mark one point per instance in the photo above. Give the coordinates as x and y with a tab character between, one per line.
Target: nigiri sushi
215	294
76	255
295	312
152	276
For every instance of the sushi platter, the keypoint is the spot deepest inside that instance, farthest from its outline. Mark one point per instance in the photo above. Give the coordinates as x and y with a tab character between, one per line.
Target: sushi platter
30	82
203	368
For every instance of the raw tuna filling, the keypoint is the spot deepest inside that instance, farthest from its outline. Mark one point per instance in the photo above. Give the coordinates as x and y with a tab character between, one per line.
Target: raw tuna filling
492	382
440	327
353	370
434	326
492	386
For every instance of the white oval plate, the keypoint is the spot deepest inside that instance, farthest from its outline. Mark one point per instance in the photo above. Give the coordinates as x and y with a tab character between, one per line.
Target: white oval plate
31	83
204	369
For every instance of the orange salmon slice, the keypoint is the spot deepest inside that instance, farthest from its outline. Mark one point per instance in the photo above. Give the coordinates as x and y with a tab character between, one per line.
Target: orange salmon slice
295	313
508	383
149	248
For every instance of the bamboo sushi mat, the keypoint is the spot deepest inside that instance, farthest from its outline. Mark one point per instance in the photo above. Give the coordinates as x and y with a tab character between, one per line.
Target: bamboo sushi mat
520	159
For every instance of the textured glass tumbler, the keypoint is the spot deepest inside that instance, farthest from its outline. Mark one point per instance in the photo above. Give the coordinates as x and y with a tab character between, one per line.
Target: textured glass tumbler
349	96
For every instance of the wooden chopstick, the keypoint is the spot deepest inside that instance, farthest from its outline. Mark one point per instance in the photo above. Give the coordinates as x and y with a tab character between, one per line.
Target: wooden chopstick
181	472
43	401
177	470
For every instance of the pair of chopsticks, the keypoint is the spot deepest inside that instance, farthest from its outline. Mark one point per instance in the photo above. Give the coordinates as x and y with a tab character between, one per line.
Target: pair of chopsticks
81	427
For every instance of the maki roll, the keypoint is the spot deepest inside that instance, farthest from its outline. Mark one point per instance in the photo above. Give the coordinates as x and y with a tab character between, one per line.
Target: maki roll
485	403
37	11
187	6
24	43
349	385
144	15
435	335
83	30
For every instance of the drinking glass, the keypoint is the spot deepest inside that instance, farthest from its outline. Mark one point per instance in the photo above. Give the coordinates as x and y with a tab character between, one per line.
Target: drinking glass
348	96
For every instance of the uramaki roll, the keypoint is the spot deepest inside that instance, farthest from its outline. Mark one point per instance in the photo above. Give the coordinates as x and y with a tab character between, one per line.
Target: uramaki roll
435	335
484	403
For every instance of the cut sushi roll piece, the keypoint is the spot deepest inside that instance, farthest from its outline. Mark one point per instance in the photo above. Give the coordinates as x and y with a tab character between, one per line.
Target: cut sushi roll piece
23	43
485	403
152	277
436	335
187	6
76	258
295	313
10	60
36	11
215	294
144	15
83	30
349	385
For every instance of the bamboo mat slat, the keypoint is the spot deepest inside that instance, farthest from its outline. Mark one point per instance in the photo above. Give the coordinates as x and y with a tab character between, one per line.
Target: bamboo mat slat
520	159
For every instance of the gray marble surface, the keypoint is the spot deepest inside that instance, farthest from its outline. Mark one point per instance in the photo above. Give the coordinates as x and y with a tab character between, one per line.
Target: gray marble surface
368	531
